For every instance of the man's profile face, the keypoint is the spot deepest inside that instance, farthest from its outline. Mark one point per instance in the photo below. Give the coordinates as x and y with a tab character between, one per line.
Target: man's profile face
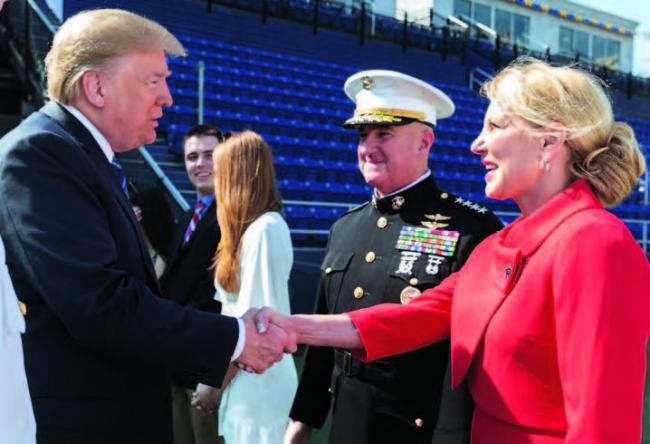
198	162
135	90
391	157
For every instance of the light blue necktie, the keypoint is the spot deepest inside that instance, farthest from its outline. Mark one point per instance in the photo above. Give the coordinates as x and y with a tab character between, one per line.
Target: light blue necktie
119	174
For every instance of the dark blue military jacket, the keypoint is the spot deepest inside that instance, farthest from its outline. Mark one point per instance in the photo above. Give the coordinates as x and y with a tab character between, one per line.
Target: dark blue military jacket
391	250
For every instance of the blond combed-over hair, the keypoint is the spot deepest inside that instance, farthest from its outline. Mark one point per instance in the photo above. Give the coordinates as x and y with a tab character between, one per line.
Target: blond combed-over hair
89	40
244	179
604	152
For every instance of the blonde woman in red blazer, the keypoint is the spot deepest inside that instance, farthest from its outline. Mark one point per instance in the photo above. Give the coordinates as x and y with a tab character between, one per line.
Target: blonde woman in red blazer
549	317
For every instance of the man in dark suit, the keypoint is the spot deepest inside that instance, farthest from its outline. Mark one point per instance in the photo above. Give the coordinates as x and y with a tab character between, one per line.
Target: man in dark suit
100	340
408	238
188	279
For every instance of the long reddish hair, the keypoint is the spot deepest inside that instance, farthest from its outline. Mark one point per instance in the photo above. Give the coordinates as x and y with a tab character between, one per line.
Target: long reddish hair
244	179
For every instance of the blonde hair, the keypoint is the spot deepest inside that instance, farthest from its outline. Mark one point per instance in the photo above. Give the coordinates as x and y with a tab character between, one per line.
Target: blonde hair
603	152
89	40
244	183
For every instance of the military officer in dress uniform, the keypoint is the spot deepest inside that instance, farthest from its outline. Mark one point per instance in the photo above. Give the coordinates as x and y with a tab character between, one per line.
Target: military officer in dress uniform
408	238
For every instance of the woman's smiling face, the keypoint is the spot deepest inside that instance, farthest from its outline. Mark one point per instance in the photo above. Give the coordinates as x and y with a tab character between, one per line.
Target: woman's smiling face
511	155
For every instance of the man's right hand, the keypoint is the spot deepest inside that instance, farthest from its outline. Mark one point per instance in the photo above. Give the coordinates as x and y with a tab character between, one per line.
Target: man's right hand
297	433
261	350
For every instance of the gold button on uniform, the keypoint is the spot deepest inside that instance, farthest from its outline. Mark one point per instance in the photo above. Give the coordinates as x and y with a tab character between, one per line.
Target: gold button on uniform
418	422
358	293
444	195
382	222
370	256
413	281
328	270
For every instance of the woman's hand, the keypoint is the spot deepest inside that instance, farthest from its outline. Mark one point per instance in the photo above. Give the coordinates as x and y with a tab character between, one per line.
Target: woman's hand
206	399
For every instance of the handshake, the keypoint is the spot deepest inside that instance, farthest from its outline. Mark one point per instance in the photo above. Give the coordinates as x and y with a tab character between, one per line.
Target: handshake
269	335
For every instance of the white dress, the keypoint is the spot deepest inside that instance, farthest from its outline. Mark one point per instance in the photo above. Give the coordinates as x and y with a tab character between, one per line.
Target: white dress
17	424
255	408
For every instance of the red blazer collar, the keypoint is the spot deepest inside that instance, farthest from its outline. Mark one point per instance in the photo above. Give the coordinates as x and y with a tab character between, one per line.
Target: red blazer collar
496	269
528	233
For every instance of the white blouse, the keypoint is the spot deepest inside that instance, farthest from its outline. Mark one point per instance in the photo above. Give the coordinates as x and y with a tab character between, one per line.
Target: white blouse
16	414
255	408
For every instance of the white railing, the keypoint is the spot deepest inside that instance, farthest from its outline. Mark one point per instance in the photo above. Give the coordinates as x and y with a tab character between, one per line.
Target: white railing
477	77
200	92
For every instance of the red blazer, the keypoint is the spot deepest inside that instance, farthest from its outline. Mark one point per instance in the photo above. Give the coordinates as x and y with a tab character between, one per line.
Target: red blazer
549	320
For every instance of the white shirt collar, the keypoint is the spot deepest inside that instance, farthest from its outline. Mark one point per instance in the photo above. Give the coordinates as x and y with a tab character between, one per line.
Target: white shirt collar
99	137
415	182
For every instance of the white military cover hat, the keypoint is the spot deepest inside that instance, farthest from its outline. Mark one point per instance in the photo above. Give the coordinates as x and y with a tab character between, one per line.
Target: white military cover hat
392	98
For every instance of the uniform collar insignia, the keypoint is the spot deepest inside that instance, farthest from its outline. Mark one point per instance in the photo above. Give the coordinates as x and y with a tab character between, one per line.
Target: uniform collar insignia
367	83
397	202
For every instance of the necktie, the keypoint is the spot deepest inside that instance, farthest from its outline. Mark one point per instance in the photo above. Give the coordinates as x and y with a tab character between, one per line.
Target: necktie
119	175
198	208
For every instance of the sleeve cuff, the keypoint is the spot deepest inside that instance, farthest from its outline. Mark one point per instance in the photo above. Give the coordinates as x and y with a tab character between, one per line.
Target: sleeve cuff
241	340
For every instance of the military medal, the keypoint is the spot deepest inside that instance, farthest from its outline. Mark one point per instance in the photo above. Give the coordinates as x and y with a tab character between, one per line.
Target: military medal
434	221
427	240
408	294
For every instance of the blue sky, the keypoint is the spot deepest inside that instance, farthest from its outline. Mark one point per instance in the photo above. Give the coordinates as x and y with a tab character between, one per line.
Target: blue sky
638	10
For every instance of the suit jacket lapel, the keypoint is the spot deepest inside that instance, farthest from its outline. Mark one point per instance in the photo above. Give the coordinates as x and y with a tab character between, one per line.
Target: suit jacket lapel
207	222
79	132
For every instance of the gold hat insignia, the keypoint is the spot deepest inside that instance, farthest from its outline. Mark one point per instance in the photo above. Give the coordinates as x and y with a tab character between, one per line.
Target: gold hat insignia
367	83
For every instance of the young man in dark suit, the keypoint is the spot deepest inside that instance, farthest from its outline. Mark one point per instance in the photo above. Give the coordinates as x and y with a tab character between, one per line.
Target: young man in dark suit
188	279
100	340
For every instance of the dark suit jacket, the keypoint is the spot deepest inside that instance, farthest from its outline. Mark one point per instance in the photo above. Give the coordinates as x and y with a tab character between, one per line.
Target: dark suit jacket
187	278
100	341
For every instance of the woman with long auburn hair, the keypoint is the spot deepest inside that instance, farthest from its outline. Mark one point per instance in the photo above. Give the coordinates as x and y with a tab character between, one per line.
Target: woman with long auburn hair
252	267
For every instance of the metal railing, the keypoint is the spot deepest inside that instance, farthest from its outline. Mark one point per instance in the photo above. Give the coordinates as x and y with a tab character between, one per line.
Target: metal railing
644	240
160	174
447	35
200	92
27	33
477	77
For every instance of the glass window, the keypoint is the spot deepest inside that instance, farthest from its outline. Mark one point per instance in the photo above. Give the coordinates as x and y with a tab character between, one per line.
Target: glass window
566	41
502	21
615	53
599	49
581	43
521	30
483	14
606	52
462	8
